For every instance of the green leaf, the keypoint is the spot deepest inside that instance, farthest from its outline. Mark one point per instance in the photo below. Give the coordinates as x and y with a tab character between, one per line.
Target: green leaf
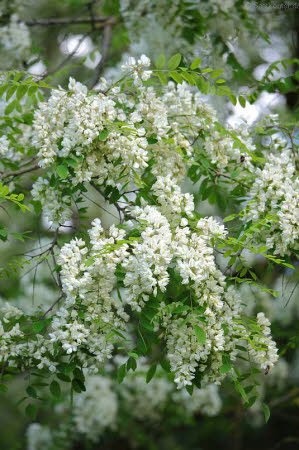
160	61
176	77
79	374
10	92
224	90
229	218
195	64
121	373
55	389
290	266
190	78
242	101
9	108
162	78
151	372
240	389
216	73
251	401
3	388
89	261
233	99
62	171
225	368
103	135
131	363
40	325
3	89
32	90
3	232
78	386
266	412
31	392
21	91
203	85
71	162
31	411
189	389
12	369
174	61
165	365
63	377
200	334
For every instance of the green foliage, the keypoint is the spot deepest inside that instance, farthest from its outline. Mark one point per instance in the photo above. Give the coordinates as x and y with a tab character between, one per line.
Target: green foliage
14	198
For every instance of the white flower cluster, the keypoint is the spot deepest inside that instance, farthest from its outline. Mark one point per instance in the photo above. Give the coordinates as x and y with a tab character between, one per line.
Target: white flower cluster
77	120
5	150
275	195
196	266
104	404
97	408
263	349
205	400
137	67
56	207
173	204
162	247
38	436
150	401
223	149
146	267
114	138
87	288
90	287
117	140
15	42
146	401
160	28
7	338
223	6
92	312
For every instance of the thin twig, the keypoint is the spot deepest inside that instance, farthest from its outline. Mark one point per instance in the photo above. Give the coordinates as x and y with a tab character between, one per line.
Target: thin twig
99	206
120	209
52	306
68	58
105	49
284	398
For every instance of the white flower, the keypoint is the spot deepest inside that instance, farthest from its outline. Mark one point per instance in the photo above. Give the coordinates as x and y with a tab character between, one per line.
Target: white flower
96	409
275	193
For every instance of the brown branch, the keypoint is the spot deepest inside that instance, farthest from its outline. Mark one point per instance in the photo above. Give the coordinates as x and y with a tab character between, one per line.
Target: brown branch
100	21
285	398
91	13
67	59
105	50
15	173
52	306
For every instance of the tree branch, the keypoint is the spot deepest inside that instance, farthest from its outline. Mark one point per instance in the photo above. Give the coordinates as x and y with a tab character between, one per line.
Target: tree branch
14	173
100	21
105	49
52	306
